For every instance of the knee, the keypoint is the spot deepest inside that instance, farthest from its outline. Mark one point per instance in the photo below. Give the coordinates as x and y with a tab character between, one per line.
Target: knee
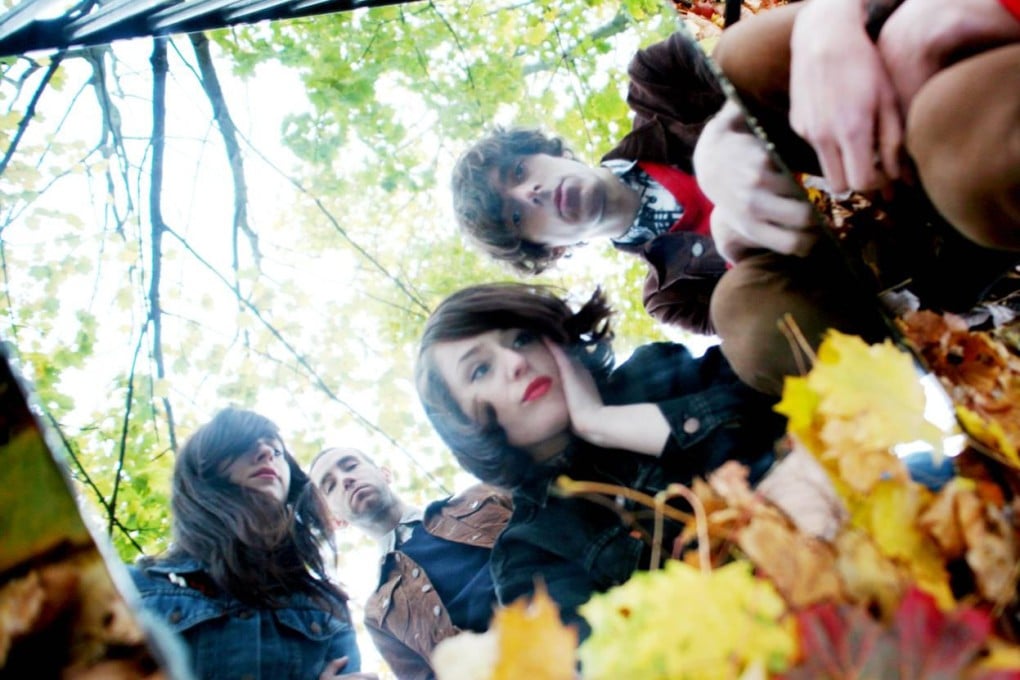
962	134
747	320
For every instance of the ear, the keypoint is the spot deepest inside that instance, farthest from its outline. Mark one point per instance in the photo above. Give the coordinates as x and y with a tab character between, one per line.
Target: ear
558	251
387	474
338	523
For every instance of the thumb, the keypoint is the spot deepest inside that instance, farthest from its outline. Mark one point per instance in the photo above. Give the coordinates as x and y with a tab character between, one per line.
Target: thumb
334	667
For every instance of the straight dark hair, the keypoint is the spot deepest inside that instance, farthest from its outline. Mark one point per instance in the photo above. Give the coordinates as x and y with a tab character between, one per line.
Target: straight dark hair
482	448
255	548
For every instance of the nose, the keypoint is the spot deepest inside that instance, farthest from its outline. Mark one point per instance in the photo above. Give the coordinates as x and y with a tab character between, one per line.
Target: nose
515	363
263	452
529	192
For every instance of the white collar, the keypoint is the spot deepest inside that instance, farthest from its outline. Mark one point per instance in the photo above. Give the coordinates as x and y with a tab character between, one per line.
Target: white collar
388	542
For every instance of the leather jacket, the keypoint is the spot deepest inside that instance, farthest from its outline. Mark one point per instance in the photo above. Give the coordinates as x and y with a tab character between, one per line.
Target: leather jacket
673	93
405	615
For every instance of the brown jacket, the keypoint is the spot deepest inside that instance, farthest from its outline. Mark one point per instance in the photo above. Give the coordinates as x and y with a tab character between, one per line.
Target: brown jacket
405	616
673	93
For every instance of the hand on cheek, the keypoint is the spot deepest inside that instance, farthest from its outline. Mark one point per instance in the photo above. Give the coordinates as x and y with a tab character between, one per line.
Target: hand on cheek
584	403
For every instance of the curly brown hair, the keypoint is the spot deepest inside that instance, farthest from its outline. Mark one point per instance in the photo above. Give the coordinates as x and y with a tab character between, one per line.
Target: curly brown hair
478	206
482	448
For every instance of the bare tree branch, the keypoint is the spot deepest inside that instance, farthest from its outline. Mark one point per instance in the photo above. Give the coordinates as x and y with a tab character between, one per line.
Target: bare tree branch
316	379
111	141
618	24
159	70
30	110
122	447
211	85
411	295
87	480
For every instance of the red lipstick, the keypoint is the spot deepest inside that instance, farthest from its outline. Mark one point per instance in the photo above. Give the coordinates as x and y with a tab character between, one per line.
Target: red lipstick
537	388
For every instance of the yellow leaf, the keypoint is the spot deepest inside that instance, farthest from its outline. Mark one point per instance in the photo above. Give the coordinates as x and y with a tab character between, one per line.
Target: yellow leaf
533	643
890	515
525	640
867	575
988	432
682	623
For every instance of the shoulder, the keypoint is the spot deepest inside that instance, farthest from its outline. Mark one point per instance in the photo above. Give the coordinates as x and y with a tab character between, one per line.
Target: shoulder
475	516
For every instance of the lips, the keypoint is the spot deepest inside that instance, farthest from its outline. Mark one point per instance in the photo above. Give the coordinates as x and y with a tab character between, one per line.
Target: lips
537	388
357	490
266	472
559	198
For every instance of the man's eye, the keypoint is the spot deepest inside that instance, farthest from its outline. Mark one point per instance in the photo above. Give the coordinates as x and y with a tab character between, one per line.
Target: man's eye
479	372
329	486
523	338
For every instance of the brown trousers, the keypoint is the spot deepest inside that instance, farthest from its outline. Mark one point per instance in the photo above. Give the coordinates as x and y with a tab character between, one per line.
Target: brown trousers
963	135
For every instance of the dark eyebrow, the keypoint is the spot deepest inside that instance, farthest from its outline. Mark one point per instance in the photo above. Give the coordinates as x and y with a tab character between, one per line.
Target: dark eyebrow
343	460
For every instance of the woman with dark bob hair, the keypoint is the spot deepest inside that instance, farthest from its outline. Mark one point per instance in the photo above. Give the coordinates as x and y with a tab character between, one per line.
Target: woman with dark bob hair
244	583
523	389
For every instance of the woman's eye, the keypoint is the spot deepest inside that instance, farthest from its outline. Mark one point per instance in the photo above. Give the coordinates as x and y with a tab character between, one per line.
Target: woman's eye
518	171
515	219
479	372
523	338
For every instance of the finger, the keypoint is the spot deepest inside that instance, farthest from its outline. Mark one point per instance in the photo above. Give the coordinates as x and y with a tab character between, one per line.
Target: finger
858	153
334	667
890	139
831	161
791	213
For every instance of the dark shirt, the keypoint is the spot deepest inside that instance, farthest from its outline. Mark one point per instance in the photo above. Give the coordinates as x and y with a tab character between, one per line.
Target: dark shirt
578	547
460	574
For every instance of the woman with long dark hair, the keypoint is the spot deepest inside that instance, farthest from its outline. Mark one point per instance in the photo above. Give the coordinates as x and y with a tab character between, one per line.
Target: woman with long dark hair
523	389
244	582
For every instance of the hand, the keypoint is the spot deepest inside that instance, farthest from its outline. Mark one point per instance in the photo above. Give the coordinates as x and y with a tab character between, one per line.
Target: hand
584	403
842	100
757	206
333	668
634	427
922	36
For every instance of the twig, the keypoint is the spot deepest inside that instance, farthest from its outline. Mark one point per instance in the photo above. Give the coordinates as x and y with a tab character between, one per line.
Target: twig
30	110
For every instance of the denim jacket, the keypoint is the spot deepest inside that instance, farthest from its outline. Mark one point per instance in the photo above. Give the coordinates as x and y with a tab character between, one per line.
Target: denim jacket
228	639
578	547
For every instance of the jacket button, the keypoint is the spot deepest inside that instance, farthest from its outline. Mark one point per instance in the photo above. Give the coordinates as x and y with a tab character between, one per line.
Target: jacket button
426	588
476	537
474	505
386	602
175	616
436	610
315	627
416	572
691	425
697	249
245	614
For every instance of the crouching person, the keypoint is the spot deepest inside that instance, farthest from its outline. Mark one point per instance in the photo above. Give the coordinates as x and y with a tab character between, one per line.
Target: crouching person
434	578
